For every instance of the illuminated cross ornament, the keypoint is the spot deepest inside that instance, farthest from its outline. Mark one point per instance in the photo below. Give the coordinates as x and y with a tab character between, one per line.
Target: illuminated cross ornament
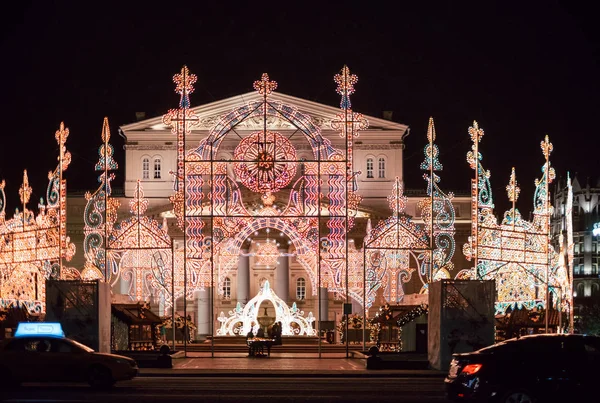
264	86
345	88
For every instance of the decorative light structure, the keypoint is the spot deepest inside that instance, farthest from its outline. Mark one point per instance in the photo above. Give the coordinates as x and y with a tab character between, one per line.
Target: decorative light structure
516	253
398	247
32	247
100	214
265	161
240	320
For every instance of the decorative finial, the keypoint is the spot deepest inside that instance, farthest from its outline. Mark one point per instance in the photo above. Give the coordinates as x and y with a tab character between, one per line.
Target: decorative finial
61	137
345	88
547	147
397	201
475	132
138	204
25	190
106	161
431	150
264	86
513	188
185	86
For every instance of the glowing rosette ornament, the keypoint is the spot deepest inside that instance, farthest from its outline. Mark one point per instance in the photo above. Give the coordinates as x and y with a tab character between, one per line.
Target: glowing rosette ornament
265	161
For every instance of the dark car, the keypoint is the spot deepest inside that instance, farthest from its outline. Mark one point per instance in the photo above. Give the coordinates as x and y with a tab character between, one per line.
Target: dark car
38	356
533	368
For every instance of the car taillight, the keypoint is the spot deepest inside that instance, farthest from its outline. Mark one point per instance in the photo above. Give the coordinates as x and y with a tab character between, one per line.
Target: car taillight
471	369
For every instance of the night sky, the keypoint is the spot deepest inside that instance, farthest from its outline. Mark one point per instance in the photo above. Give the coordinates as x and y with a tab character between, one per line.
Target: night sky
522	69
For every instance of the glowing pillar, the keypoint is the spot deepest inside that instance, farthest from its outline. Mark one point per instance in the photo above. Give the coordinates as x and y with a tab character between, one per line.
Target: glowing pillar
282	277
204	304
243	277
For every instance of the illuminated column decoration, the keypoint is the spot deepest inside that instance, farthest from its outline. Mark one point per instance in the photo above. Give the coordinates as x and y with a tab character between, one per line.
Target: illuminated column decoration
349	124
570	246
481	199
100	215
438	217
34	246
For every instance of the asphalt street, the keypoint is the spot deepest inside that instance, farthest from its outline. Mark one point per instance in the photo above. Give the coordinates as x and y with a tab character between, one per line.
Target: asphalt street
240	389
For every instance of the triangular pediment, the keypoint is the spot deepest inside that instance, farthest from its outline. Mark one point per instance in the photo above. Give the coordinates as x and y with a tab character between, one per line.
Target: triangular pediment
209	114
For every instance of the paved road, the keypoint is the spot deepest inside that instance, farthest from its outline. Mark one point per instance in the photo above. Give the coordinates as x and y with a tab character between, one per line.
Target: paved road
241	389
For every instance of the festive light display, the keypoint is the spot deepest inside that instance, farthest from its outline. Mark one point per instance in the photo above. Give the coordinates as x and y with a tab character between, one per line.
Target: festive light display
397	247
264	162
517	254
32	247
141	250
100	214
242	319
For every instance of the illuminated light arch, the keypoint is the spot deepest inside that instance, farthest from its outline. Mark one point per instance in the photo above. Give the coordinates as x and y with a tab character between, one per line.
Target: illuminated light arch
293	322
305	251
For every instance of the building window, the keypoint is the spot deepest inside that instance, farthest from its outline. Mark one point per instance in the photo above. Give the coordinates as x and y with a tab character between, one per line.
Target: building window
580	290
369	167
595	290
301	289
381	166
146	168
157	166
227	288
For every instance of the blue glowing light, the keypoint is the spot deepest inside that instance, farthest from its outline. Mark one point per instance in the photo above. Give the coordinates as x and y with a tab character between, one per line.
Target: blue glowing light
39	329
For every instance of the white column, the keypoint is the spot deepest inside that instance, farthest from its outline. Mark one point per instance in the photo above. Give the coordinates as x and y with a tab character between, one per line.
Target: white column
124	286
161	305
243	278
282	277
205	314
324	306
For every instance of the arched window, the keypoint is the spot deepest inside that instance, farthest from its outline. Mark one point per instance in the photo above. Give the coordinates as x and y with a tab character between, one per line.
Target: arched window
157	167
595	290
146	168
580	290
369	167
227	288
381	166
301	289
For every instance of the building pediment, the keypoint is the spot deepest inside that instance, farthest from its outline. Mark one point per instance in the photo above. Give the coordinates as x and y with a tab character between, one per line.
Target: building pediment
210	114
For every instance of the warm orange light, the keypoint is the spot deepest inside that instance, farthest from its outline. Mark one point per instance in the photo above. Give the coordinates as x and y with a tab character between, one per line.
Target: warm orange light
471	369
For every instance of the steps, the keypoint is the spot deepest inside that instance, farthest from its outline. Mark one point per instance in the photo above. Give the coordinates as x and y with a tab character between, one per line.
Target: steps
290	344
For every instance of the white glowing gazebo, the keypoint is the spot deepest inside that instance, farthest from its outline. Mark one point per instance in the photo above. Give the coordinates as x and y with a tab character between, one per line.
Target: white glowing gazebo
240	320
